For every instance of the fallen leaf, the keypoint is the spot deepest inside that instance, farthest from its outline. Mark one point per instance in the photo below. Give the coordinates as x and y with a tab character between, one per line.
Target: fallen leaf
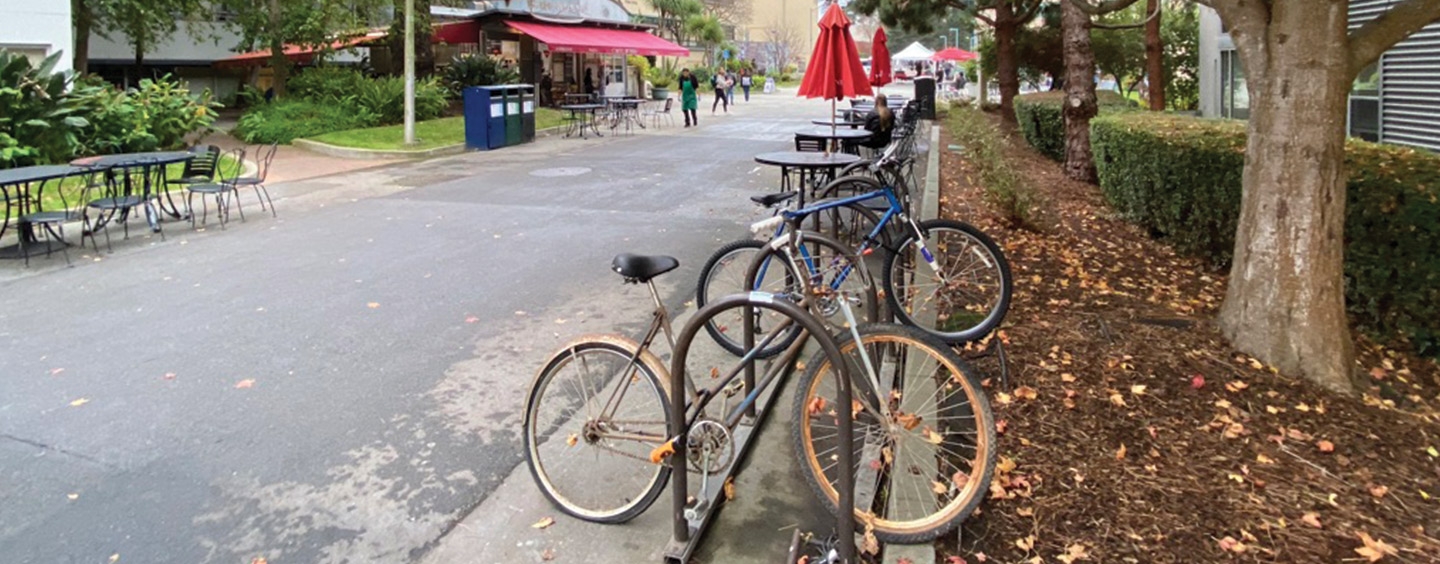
543	523
72	496
169	376
1025	512
1230	544
1325	446
1261	458
1067	377
870	544
1026	544
56	371
1139	390
1003	398
1120	454
547	554
932	436
817	406
1118	400
114	557
729	488
1311	518
1379	491
1372	549
715	373
908	421
1000	426
1236	385
245	384
939	488
79	402
952	559
572	440
373	305
980	557
1026	393
472	319
904	560
259	560
1074	553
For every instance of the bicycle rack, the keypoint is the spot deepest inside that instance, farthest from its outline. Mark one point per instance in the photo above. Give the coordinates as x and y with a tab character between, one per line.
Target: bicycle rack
693	518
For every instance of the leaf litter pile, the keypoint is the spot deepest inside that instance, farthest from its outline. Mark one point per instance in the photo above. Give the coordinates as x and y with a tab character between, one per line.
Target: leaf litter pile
1133	432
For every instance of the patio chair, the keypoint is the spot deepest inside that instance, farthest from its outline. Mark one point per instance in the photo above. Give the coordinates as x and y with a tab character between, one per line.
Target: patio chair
264	156
51	223
199	170
111	205
808	144
656	114
219	188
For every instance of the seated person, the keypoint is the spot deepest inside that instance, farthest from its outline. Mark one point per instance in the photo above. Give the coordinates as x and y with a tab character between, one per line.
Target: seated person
880	123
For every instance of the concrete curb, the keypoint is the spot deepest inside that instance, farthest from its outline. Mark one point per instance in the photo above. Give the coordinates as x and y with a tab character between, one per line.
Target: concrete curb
375	154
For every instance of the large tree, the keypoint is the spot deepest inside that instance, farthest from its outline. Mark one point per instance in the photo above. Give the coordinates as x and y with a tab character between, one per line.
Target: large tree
1007	17
1285	303
143	23
273	24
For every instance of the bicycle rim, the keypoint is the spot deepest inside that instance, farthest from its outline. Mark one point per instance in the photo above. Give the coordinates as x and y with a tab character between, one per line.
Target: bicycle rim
724	274
968	296
924	469
592	462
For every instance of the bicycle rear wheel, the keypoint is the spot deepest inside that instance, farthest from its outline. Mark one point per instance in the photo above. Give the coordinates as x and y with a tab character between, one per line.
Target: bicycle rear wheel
923	466
724	274
964	296
591	420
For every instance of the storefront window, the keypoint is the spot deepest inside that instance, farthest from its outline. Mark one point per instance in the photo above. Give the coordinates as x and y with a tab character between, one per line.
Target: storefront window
1365	104
1234	97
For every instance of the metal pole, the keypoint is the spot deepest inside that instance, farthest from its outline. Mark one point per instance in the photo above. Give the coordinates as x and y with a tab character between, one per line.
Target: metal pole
409	72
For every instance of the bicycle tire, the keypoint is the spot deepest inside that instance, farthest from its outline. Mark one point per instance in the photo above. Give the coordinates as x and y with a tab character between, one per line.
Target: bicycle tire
828	260
963	465
948	325
734	255
590	474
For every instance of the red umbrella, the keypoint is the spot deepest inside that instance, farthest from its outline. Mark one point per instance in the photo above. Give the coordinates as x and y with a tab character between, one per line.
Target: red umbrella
953	54
835	70
879	60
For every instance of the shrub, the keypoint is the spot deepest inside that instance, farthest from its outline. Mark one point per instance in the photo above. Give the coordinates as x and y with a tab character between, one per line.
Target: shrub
384	98
327	83
985	149
284	121
38	119
155	115
1181	178
1042	122
477	70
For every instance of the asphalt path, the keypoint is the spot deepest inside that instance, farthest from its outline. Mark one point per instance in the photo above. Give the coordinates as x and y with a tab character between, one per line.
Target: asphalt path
343	383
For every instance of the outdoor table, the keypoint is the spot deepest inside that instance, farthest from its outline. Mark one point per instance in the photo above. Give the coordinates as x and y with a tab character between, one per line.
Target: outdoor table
18	198
836	136
840	122
627	110
585	114
152	174
817	168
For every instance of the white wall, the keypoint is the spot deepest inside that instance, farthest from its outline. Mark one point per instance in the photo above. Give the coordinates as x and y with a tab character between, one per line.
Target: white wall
192	42
1210	83
38	27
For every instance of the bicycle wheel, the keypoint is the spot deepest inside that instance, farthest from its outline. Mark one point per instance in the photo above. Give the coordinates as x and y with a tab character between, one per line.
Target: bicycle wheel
724	274
591	420
963	296
924	435
850	224
832	271
865	183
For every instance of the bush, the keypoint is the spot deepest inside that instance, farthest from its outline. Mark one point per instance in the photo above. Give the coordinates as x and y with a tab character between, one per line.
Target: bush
327	83
477	70
985	149
385	99
1042	122
284	121
38	119
1181	178
156	115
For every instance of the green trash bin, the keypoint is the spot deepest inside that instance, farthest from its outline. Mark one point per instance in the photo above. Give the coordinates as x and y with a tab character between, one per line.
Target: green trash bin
527	113
513	127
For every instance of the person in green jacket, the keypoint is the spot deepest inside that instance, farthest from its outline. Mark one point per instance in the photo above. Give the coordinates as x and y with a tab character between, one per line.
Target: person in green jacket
689	97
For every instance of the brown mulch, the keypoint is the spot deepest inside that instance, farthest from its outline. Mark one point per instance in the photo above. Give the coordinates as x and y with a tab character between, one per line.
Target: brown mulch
1133	432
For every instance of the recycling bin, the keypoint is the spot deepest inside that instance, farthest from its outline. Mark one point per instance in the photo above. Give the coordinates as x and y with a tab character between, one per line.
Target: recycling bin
484	117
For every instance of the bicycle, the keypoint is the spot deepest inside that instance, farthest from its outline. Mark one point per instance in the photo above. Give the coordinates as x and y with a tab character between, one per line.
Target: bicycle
968	303
596	414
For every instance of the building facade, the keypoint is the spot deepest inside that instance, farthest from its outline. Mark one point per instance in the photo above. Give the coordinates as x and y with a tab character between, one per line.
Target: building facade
38	29
768	31
1395	100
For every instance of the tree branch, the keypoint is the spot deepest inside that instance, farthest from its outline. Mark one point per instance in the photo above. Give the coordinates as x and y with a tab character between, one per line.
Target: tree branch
1134	25
1104	7
1382	33
1033	10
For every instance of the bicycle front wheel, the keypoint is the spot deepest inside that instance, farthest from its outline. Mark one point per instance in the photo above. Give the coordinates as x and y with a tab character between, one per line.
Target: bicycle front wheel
963	295
724	274
595	412
924	435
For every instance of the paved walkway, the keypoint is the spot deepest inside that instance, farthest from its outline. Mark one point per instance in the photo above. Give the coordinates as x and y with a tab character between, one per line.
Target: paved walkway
342	383
293	163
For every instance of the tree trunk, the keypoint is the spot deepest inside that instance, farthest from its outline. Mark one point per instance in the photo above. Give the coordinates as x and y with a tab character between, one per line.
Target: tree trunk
1285	304
1155	57
1080	104
139	58
84	19
1007	65
278	63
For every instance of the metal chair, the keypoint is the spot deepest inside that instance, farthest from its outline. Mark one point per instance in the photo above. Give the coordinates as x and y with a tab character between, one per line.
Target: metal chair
264	156
52	223
807	144
218	189
656	114
115	205
201	169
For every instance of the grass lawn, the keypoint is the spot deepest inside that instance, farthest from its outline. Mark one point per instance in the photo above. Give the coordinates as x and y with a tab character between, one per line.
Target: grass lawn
71	188
428	134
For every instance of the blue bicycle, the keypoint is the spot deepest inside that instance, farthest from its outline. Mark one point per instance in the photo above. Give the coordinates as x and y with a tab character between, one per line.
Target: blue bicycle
944	277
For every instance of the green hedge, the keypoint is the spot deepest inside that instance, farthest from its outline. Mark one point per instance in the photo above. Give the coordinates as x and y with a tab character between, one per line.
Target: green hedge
1181	178
1043	125
284	121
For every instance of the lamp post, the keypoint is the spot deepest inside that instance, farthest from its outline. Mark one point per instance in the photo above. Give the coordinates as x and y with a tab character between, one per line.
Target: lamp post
409	72
956	32
944	41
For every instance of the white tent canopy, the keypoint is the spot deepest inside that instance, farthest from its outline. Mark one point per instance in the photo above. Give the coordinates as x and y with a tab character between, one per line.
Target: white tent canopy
914	53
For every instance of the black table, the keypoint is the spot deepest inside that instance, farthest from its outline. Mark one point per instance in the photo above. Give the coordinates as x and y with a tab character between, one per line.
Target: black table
152	174
18	198
840	122
583	116
815	169
626	110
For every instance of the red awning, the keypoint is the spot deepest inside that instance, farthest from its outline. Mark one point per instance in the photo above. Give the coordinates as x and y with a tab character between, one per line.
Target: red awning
581	39
296	53
467	31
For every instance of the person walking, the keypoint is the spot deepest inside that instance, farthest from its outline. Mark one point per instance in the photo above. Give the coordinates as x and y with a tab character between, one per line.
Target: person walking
721	83
746	82
689	97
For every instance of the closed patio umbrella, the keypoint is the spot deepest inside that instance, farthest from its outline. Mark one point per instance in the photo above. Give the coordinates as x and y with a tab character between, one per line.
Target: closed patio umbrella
880	59
835	70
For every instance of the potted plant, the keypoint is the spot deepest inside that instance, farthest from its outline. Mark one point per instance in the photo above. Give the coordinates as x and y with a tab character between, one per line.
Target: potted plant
660	87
